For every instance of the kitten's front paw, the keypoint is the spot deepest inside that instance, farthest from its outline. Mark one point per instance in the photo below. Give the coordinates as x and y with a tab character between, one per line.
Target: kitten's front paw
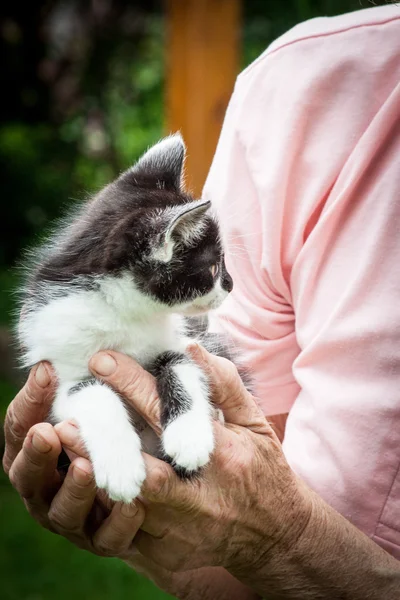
121	472
188	442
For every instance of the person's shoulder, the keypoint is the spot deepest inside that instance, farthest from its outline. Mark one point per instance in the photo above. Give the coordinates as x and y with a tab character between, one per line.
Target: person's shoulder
290	43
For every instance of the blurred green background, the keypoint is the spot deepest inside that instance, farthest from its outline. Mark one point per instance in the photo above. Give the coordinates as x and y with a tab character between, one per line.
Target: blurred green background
82	97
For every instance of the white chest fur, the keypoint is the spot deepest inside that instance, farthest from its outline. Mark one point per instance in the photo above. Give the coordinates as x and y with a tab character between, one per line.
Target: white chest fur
70	328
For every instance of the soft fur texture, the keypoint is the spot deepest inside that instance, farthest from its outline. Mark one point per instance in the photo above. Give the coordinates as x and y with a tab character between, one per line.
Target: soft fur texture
122	273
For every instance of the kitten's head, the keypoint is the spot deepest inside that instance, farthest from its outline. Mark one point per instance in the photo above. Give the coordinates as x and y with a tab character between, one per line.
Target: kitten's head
144	227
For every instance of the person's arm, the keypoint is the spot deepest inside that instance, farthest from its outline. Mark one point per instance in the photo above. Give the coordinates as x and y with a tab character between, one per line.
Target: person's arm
309	216
332	559
250	513
207	583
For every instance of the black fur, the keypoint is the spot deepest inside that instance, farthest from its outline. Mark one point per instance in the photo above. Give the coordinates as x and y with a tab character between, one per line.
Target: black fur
174	400
82	384
123	230
118	231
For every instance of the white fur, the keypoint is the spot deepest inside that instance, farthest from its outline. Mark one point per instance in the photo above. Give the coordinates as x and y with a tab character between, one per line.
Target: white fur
168	151
204	304
69	329
186	217
189	438
112	443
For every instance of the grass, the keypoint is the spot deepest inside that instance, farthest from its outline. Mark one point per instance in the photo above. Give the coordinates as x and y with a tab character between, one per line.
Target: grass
38	565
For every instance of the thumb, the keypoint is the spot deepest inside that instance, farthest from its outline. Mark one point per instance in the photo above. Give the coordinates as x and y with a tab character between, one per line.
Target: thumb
130	380
229	393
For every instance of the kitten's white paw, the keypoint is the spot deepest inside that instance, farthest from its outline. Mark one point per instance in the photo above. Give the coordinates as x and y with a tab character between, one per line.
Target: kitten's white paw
120	471
189	441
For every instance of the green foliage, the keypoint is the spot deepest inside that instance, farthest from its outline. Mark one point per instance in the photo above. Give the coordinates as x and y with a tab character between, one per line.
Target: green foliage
38	565
45	165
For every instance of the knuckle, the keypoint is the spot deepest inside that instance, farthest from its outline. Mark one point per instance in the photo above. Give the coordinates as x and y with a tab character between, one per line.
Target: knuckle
6	462
12	476
34	462
228	373
13	425
60	522
30	398
77	495
233	378
54	516
20	483
104	548
158	482
6	466
227	366
153	410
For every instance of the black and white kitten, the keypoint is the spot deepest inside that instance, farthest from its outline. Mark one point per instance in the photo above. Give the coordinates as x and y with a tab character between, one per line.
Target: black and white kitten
122	274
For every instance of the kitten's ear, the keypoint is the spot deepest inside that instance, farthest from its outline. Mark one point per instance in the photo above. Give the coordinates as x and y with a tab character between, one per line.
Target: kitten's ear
163	163
185	223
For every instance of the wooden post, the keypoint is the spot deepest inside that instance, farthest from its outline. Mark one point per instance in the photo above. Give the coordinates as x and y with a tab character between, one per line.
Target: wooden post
202	56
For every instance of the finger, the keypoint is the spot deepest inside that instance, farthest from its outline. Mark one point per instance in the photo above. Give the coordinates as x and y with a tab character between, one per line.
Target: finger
229	393
71	505
130	380
162	485
33	473
71	441
114	537
30	406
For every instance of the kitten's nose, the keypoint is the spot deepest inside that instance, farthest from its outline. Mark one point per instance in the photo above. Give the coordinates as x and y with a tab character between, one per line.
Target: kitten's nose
227	282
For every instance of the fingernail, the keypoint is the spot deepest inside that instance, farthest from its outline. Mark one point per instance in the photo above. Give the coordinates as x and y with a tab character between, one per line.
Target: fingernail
40	444
42	376
129	510
103	364
68	432
80	476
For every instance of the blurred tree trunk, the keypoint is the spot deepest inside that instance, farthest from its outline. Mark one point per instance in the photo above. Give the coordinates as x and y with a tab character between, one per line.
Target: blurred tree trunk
203	49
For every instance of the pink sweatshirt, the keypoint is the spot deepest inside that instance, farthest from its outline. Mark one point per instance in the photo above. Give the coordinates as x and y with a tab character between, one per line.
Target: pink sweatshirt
306	182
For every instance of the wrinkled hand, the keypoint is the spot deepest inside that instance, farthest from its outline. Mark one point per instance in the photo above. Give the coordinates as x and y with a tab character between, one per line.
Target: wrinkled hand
69	508
246	502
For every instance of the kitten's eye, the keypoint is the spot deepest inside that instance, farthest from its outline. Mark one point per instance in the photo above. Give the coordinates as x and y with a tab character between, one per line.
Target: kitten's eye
214	270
